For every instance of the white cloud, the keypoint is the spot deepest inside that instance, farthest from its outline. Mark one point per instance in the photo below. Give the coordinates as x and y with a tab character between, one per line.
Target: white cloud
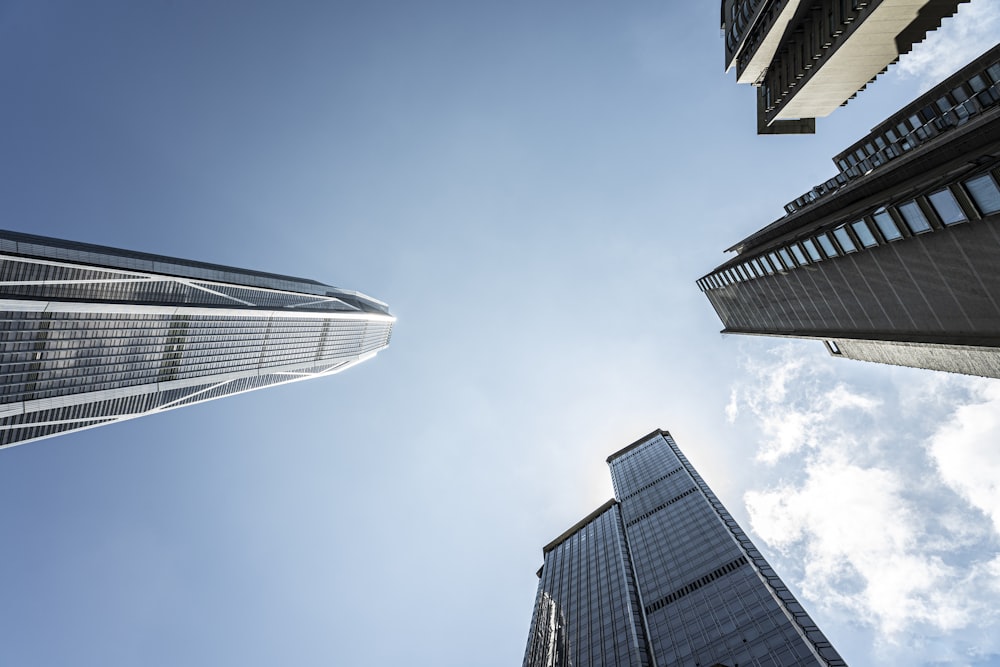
966	451
961	38
808	403
880	492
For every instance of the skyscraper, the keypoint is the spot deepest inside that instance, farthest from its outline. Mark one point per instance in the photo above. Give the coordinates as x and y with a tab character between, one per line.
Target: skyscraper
808	58
662	575
895	258
92	335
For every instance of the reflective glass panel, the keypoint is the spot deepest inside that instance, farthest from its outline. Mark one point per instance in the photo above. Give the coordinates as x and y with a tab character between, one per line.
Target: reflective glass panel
766	264
827	245
946	207
844	239
812	250
984	193
775	261
887	226
914	217
864	234
783	253
799	255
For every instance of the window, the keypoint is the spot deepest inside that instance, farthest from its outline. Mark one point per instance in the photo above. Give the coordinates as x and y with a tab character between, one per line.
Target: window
844	239
863	233
783	253
994	72
984	192
811	249
827	245
914	217
799	255
947	207
832	347
766	264
775	261
886	225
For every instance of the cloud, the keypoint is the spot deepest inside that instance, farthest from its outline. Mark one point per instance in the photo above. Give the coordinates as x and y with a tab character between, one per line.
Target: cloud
966	452
808	403
961	38
879	490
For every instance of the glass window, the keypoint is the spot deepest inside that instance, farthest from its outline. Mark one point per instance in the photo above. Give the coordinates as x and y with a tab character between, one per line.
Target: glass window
863	233
977	84
799	255
844	239
984	192
960	94
994	72
783	253
757	267
811	249
775	261
886	225
827	245
914	217
766	264
946	207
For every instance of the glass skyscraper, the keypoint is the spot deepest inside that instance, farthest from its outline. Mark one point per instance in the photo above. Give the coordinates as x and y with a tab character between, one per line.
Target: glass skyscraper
91	335
661	576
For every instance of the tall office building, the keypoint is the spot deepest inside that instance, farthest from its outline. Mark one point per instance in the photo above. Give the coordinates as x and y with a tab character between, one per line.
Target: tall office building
808	58
663	575
92	335
894	259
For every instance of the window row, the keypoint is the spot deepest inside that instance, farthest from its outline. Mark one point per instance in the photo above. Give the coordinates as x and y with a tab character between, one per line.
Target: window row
950	110
937	210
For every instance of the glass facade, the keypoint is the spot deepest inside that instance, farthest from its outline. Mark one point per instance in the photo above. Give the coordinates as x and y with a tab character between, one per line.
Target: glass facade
663	575
92	335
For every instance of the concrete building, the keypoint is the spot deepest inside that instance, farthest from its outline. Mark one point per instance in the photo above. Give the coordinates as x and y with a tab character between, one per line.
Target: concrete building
895	258
808	58
663	575
92	335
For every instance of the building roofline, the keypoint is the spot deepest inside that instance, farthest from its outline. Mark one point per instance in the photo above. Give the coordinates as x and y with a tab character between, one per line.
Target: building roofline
24	237
643	439
578	525
861	193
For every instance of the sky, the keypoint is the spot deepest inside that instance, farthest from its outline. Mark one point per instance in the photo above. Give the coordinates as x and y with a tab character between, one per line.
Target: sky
533	188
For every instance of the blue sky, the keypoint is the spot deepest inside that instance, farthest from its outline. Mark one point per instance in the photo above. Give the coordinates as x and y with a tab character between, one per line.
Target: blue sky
533	188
